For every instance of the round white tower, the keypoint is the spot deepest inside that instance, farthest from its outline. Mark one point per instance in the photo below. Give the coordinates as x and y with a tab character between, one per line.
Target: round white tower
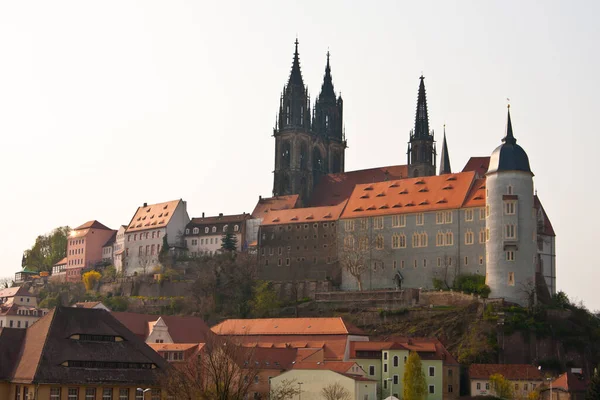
510	223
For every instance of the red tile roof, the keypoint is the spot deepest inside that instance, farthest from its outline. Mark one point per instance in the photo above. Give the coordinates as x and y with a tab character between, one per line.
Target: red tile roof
333	189
175	346
333	347
424	348
571	383
336	366
409	195
15	291
181	329
287	326
304	215
478	164
508	371
476	196
91	225
268	204
547	229
62	262
153	216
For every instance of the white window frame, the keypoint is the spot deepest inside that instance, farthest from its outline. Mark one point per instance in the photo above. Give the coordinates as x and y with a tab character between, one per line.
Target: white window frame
469	214
419	219
510	255
349	225
377	223
398	221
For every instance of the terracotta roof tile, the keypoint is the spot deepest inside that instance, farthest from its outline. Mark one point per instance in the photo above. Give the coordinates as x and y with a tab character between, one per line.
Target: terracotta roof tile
15	291
478	164
571	383
286	326
336	366
476	196
268	204
428	348
153	216
91	225
87	304
410	195
111	240
333	189
333	347
509	371
304	215
62	262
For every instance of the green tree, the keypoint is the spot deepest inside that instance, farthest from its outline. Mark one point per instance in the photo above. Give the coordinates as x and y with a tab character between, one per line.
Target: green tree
593	392
415	386
265	299
229	241
47	250
163	256
501	386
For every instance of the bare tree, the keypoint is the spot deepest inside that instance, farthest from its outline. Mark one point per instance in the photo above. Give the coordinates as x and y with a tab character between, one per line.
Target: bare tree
146	263
222	370
335	391
288	389
446	271
5	283
358	253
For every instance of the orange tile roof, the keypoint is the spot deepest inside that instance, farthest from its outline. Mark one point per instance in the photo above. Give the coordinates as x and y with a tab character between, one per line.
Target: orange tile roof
62	262
286	326
333	347
478	164
409	195
175	346
268	204
153	216
304	215
333	189
428	348
509	371
15	291
336	366
571	383
476	197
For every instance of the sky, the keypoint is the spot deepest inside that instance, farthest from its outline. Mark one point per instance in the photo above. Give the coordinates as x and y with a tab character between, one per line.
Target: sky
107	105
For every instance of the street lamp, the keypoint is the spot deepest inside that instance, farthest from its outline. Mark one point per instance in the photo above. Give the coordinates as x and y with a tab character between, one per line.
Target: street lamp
143	392
549	380
300	390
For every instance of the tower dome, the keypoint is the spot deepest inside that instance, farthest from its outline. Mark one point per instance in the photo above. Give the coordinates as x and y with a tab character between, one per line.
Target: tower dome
509	156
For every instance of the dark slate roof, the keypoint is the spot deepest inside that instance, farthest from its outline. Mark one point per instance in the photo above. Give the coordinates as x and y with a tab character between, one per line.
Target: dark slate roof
10	345
509	156
111	240
181	329
47	345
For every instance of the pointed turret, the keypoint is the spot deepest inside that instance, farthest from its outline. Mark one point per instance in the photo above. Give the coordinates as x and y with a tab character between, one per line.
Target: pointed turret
509	156
445	158
509	138
294	107
422	154
421	117
327	119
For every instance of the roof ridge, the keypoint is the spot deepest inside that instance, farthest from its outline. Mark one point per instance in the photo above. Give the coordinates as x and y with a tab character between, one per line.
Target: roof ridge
37	367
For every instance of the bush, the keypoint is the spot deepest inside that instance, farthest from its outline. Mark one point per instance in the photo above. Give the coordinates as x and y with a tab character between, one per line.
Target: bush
117	303
90	279
472	284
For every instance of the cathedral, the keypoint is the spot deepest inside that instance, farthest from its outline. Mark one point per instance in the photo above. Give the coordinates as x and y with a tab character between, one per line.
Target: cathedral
405	225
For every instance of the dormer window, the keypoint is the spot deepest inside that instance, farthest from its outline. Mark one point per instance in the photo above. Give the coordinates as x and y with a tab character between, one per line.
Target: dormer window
225	228
187	232
196	231
236	228
214	229
206	230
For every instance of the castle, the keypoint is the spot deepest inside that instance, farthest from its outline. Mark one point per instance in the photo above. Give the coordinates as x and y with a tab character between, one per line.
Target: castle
402	225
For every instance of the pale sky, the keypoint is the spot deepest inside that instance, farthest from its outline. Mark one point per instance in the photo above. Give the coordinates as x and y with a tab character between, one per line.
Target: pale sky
107	105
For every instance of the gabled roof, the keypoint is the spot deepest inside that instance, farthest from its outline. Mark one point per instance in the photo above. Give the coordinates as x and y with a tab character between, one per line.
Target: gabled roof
410	195
304	215
11	340
268	204
111	240
91	225
218	219
62	262
50	343
333	189
153	216
509	371
181	329
15	291
572	383
336	366
286	326
476	196
478	164
428	348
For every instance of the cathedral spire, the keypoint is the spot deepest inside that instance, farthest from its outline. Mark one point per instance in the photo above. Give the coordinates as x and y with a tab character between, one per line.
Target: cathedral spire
509	138
327	120
445	158
296	74
422	117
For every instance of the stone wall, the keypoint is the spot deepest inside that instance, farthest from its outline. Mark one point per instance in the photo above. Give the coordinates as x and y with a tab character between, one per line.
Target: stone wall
304	289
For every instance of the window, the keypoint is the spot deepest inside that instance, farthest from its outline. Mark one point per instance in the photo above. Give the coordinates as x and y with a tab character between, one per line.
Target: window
478	386
516	387
73	394
509	231
439	239
487	234
431	371
395	361
469	237
385	367
439	217
287	261
255	379
431	389
510	207
196	231
398	221
487	386
123	394
55	393
449	373
449	238
450	389
480	260
349	242
214	229
419	219
385	383
140	250
469	215
525	387
398	241
395	380
206	230
481	214
510	255
139	395
155	394
90	393
509	189
487	210
378	223
511	279
364	224
385	355
466	260
379	242
349	225
371	370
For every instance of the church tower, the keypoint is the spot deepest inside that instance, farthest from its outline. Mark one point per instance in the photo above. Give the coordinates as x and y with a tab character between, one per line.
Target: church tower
292	135
306	150
445	157
421	147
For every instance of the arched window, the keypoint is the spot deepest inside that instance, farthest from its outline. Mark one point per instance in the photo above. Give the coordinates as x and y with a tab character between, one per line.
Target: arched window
303	155
214	229
236	228
349	242
395	361
206	230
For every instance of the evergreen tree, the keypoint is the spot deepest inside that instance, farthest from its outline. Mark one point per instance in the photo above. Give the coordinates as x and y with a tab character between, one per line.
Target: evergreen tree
163	256
229	241
415	386
593	391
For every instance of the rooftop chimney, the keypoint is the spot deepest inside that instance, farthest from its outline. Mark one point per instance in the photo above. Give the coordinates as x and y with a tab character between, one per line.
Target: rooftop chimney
220	214
145	204
259	197
202	214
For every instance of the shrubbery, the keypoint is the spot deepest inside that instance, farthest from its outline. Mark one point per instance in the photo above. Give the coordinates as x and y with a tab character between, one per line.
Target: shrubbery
472	284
